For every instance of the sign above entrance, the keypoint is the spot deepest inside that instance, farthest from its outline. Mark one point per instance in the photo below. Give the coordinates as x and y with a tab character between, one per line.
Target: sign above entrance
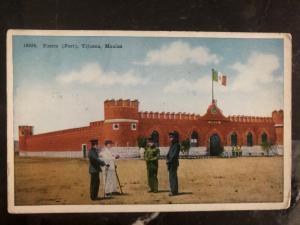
214	122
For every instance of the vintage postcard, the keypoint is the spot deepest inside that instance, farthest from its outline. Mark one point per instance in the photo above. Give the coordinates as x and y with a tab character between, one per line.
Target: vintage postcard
130	121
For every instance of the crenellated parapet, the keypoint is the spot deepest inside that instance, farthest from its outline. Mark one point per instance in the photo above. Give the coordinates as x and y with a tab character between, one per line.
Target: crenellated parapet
169	115
96	123
121	109
121	103
249	119
277	116
25	131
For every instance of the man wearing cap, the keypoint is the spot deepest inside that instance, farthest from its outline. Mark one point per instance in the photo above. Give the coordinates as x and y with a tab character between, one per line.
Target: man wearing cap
173	163
95	169
151	156
110	176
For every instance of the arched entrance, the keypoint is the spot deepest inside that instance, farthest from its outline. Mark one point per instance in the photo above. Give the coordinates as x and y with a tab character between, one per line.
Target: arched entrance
155	137
215	147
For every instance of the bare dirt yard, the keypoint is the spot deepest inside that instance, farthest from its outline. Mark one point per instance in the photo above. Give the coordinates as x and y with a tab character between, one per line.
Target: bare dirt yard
48	181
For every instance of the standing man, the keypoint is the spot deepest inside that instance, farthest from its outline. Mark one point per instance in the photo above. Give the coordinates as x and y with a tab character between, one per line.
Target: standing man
151	156
239	150
173	163
111	183
95	169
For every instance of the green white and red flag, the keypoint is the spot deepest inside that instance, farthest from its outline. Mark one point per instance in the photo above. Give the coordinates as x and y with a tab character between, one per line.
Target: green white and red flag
219	77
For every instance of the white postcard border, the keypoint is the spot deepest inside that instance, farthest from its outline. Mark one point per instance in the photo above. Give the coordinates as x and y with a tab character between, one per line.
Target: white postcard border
12	208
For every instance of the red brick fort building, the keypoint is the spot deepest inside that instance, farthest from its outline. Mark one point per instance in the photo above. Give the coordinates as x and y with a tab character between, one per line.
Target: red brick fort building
123	123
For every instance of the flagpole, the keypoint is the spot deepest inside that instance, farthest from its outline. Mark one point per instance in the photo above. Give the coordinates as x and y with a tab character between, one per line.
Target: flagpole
212	89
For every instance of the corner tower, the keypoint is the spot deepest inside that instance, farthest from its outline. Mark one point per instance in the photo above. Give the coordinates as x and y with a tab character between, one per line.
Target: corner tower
24	132
277	117
121	121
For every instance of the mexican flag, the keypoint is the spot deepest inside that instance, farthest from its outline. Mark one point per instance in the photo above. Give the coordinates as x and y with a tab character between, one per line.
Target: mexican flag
219	77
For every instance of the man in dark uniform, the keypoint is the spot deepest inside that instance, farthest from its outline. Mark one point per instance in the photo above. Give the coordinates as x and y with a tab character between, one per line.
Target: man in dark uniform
95	169
151	156
173	163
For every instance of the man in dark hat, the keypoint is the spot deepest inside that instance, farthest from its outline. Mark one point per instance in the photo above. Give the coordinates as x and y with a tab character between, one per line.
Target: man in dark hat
95	169
173	162
151	156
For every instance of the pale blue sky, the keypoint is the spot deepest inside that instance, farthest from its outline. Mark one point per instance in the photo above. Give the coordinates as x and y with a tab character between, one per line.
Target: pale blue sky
64	88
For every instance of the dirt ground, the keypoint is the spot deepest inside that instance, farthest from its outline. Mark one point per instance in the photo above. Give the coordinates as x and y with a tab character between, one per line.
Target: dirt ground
46	181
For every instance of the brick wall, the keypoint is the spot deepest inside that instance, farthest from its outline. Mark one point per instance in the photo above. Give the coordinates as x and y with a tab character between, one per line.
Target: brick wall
125	113
65	140
185	127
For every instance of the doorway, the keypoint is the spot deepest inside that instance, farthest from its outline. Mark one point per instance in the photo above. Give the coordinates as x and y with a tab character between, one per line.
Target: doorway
83	147
215	147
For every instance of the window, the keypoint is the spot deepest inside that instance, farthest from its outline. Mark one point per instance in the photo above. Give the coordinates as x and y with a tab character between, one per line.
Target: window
115	126
133	126
249	139
264	138
233	139
194	139
83	147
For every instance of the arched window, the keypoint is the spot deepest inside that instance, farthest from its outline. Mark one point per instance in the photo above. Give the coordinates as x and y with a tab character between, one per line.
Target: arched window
194	139
264	138
233	139
155	136
249	139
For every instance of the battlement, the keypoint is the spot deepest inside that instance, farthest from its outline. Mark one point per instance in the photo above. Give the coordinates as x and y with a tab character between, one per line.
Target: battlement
277	116
250	119
121	109
25	130
25	127
168	115
121	103
96	123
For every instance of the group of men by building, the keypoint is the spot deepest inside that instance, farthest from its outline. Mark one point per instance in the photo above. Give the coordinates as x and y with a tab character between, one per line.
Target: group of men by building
103	161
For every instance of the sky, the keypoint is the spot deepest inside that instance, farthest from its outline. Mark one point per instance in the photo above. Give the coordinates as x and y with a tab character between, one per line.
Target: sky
60	88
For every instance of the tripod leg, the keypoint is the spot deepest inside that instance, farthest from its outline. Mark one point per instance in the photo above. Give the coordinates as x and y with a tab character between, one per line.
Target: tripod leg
118	181
106	171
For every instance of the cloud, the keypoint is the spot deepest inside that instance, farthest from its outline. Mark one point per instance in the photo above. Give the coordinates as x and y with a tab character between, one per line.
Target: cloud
255	89
182	86
92	73
179	52
258	72
49	108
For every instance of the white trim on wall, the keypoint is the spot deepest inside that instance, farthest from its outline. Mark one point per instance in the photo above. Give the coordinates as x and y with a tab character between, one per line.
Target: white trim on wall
120	121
